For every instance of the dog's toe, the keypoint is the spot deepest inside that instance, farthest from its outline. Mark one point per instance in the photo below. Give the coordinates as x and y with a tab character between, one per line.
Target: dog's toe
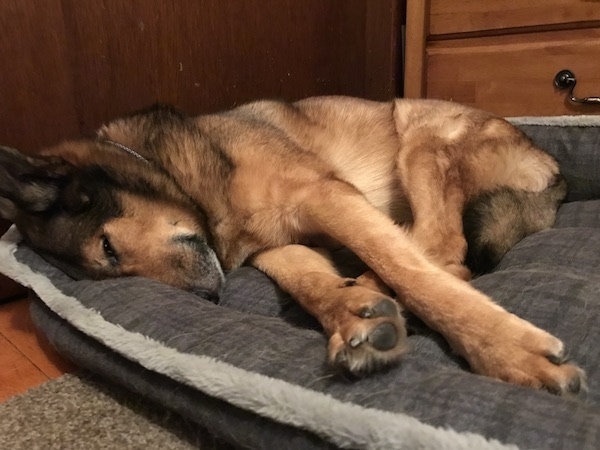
385	308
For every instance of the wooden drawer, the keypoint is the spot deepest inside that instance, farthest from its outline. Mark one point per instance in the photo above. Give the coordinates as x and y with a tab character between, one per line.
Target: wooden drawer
513	75
468	16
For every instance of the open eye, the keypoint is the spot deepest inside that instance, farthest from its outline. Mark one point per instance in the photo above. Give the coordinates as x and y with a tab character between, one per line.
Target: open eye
108	250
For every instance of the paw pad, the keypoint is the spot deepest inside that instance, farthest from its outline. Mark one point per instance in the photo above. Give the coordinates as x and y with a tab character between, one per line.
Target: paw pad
384	337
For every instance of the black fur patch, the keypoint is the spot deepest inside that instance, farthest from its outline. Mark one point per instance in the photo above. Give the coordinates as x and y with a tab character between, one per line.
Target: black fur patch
495	221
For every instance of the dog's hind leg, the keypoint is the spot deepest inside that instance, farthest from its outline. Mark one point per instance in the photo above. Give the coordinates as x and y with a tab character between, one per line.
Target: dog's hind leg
494	342
432	184
364	326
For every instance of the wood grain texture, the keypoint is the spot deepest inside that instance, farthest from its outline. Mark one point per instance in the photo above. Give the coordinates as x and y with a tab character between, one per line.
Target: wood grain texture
35	87
17	373
513	75
467	16
28	359
75	64
415	63
383	65
209	55
18	328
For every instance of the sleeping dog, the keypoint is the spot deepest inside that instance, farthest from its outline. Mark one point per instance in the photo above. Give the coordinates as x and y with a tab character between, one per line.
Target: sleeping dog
415	188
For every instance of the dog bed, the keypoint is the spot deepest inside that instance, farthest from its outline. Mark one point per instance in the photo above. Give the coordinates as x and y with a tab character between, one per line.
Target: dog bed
252	370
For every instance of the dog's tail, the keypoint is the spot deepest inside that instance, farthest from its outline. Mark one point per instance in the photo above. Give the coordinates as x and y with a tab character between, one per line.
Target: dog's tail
495	221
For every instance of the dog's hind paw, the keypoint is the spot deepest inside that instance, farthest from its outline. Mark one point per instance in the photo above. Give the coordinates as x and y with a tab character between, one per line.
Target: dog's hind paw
368	336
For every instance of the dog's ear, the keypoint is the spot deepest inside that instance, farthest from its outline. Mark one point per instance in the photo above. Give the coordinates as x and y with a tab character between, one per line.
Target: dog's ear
29	184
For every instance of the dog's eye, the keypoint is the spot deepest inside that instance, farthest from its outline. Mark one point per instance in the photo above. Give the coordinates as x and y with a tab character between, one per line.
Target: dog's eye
109	251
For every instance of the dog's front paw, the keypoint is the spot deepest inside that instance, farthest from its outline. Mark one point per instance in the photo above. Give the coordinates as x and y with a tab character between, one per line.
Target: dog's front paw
368	334
518	352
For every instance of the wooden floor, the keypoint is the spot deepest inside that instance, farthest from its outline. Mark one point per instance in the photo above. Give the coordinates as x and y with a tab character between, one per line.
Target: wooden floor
26	357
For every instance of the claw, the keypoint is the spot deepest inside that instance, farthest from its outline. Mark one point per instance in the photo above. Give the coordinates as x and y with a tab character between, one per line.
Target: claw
355	342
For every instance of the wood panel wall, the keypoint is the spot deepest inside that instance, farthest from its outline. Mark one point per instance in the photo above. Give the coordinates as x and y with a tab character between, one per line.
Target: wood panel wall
69	65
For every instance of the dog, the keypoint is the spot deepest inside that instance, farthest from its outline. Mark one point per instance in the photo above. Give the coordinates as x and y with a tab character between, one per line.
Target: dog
415	188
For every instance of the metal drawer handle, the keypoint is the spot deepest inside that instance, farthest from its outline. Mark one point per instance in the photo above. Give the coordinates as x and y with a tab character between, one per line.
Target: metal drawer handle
565	79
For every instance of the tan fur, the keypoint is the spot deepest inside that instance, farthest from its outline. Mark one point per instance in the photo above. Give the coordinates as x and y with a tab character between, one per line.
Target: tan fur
149	222
390	181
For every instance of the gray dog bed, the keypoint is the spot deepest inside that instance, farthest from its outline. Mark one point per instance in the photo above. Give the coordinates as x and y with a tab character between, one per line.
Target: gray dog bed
252	370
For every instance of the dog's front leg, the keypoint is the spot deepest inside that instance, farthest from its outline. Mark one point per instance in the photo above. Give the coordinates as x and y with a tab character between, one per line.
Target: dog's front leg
364	326
493	341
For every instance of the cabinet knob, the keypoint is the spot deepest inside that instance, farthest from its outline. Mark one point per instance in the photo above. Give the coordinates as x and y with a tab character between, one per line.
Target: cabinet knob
565	79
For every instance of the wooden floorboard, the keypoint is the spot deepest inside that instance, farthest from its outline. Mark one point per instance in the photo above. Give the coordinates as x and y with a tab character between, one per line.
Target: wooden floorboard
17	373
27	358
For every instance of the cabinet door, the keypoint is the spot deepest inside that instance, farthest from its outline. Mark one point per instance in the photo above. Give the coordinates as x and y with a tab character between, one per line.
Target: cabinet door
69	65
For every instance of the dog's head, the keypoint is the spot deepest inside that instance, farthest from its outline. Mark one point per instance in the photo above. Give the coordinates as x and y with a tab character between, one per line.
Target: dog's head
100	213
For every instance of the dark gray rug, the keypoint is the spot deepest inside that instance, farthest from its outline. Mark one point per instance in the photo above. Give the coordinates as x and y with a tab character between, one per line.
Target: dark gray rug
83	412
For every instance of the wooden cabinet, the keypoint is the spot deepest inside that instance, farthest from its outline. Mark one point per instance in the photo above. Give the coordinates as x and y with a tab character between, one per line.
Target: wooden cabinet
503	55
69	65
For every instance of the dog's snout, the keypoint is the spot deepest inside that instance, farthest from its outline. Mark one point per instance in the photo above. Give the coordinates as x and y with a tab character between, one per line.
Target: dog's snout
203	273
